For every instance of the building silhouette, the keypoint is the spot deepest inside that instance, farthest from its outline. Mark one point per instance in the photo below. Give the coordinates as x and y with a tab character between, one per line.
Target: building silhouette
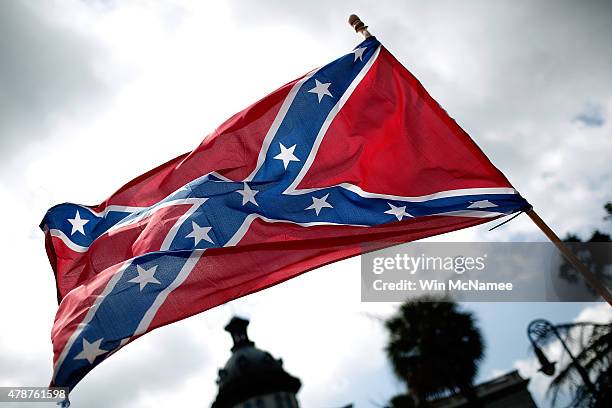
252	378
506	391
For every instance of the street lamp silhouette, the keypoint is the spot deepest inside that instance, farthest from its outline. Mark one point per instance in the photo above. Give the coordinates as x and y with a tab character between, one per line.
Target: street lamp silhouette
540	329
546	366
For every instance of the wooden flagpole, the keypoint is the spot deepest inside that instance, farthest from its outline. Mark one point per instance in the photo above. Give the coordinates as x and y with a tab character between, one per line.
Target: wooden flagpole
570	256
361	28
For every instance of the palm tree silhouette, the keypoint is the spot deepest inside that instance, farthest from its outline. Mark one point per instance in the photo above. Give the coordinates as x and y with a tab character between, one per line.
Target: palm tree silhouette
595	255
435	349
593	342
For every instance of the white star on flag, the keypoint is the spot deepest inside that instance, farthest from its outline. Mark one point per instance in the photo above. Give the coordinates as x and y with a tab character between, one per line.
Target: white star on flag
399	212
77	223
359	53
90	351
286	155
248	195
482	204
145	276
319	203
321	89
199	233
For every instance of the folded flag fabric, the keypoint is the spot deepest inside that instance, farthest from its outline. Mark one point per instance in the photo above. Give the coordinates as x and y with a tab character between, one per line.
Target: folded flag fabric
354	153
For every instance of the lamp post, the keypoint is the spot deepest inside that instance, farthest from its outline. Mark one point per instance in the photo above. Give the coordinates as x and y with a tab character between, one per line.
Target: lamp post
540	328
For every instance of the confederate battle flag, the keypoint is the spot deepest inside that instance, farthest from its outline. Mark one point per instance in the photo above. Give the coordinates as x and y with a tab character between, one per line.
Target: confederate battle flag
353	153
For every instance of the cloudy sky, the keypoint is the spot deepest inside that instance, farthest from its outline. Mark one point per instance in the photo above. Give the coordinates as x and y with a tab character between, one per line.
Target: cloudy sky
95	92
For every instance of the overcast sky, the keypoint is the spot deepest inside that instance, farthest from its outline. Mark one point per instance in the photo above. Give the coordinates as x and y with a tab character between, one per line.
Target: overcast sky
93	93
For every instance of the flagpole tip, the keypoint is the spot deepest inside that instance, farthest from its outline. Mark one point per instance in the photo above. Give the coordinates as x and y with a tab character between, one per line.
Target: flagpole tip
359	25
